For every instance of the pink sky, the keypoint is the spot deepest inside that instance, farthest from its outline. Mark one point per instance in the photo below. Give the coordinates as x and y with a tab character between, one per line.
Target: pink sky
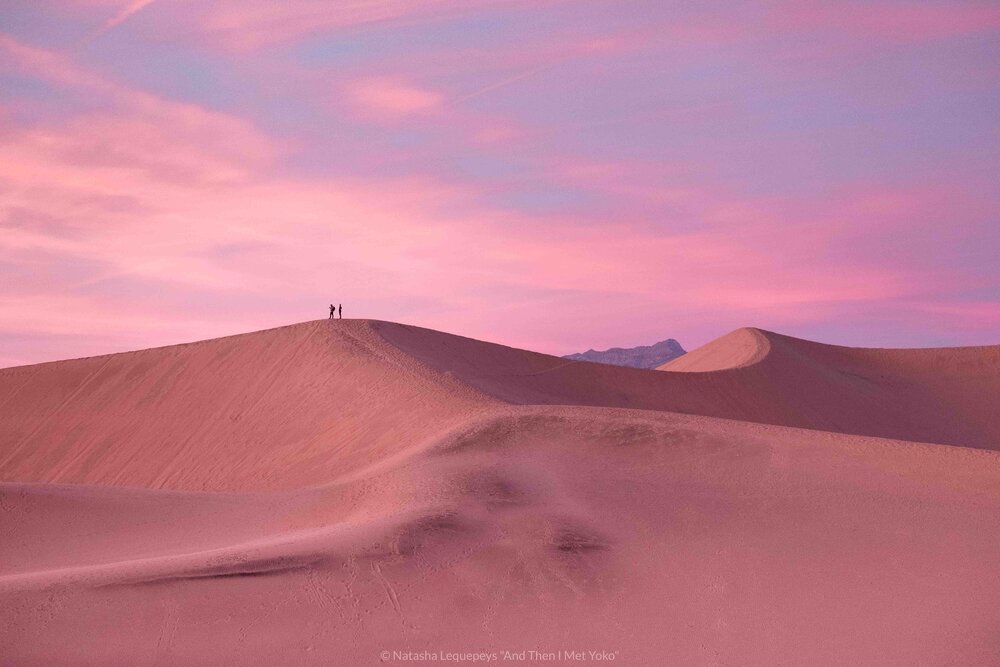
553	175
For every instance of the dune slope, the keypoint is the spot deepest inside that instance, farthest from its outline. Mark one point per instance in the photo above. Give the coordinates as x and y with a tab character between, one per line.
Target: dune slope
282	408
943	396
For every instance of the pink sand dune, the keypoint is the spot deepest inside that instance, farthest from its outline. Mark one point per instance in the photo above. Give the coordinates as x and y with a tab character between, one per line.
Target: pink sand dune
324	492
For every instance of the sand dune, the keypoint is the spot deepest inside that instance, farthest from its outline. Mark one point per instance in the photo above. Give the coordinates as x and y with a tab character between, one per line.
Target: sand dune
945	395
942	396
283	408
743	347
324	492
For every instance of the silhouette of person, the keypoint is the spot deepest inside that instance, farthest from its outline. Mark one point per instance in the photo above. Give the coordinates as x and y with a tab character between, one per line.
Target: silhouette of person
340	310
332	311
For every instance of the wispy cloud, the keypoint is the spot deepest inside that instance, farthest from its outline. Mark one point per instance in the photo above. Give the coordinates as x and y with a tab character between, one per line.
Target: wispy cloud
499	84
123	15
246	25
392	97
899	21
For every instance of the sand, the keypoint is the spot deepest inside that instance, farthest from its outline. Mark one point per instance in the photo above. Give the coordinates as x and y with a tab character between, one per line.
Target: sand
329	491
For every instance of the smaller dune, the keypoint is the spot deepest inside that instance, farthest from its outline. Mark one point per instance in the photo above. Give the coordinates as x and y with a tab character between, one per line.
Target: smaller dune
940	395
739	348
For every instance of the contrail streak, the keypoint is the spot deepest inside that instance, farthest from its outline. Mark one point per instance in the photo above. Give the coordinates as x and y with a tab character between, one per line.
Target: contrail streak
500	84
123	15
117	19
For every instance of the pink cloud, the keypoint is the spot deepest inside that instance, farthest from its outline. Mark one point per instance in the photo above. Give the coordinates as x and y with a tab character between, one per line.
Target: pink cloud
149	116
124	13
388	243
386	97
497	133
907	21
48	65
384	241
247	25
976	315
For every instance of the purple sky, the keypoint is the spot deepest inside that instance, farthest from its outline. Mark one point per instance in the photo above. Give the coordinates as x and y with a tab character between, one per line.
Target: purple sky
553	175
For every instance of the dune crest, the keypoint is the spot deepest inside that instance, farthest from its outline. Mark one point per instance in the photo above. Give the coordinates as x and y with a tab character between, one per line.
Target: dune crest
742	347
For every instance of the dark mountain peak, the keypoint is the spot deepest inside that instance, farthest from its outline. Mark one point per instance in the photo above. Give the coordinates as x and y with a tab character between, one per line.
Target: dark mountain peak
643	356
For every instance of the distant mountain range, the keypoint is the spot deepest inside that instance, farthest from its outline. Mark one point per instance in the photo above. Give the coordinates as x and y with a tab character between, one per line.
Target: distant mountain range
644	356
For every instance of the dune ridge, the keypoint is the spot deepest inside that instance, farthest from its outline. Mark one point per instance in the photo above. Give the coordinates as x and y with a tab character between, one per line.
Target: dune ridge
943	396
323	492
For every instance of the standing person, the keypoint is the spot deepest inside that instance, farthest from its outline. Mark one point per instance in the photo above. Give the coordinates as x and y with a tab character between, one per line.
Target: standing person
340	310
332	311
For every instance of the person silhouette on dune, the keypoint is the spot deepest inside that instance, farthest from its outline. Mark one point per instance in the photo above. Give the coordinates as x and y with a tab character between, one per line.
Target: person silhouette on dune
340	310
332	311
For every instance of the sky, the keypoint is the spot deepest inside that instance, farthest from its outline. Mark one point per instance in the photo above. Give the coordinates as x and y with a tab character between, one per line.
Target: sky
549	174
